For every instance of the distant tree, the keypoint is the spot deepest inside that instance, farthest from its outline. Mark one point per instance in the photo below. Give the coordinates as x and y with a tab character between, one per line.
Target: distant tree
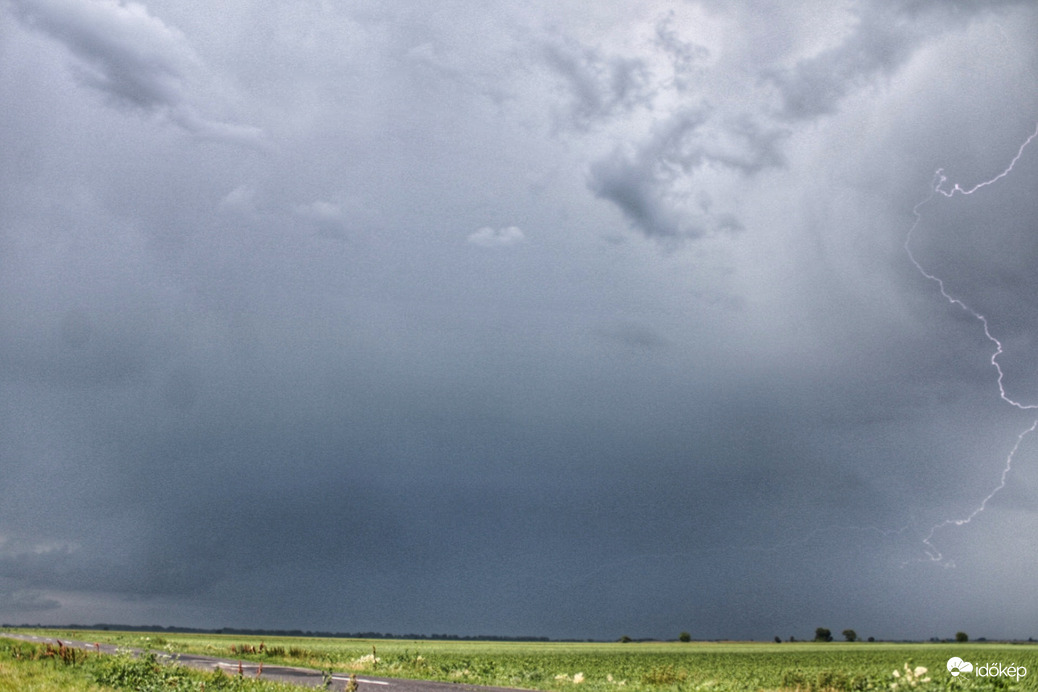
850	635
778	639
962	637
823	635
685	637
872	639
625	639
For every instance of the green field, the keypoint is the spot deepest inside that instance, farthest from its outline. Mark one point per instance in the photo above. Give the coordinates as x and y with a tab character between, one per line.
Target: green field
616	667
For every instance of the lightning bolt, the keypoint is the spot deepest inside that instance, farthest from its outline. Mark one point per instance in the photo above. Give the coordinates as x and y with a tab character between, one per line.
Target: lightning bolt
938	187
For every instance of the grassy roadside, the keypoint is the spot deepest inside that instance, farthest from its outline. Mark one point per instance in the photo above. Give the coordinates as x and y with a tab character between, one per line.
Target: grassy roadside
607	667
28	667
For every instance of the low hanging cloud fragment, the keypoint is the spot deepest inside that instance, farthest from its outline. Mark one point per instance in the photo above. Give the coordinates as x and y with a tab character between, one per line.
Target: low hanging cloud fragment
497	237
653	177
600	86
884	38
133	58
203	128
646	181
879	45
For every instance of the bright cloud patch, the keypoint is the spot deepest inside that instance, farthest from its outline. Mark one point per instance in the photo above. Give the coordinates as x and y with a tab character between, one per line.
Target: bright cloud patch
241	199
497	237
320	211
326	217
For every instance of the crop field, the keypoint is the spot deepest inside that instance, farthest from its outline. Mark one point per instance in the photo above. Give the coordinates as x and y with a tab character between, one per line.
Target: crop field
621	667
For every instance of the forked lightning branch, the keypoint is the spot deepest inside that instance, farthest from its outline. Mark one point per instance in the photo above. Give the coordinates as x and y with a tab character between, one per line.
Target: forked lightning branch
939	187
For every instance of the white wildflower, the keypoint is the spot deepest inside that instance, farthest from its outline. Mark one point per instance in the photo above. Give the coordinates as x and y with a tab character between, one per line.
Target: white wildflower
912	677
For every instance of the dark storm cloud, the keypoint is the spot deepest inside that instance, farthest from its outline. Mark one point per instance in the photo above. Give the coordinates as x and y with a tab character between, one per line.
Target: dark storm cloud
26	602
410	371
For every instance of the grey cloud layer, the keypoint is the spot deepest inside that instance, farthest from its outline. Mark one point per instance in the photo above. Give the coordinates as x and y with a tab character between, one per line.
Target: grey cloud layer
469	343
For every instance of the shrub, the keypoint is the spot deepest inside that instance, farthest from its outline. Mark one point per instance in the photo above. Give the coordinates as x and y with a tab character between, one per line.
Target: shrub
143	673
146	674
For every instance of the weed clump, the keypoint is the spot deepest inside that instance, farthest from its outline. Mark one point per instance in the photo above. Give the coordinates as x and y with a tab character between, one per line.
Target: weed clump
664	675
828	681
68	655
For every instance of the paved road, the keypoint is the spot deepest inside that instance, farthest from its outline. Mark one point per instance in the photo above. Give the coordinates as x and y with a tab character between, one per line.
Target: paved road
305	677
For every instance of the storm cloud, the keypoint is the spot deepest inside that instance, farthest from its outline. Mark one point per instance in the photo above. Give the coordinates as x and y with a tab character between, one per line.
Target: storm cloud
546	319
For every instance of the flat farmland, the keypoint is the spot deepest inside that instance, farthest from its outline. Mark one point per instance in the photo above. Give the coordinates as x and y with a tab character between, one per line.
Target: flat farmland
617	667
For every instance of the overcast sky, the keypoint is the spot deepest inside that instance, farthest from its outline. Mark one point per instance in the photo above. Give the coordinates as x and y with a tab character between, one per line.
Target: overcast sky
546	318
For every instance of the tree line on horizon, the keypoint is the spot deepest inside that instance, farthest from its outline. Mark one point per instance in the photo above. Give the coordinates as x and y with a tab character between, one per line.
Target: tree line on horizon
822	634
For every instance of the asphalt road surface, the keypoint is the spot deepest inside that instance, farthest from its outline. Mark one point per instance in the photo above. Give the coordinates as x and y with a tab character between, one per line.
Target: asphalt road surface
304	677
